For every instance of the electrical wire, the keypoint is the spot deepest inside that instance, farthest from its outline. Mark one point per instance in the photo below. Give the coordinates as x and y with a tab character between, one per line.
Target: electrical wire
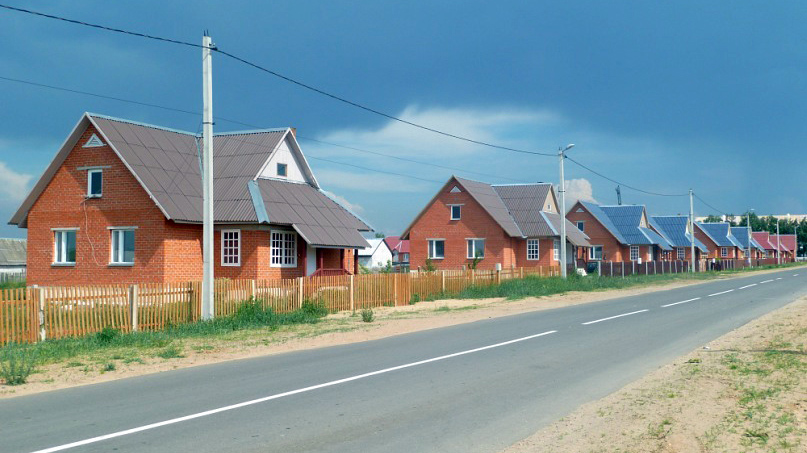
286	78
708	205
626	185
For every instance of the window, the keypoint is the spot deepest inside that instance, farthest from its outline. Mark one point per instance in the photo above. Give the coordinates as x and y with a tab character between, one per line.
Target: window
556	249
533	249
682	253
283	249
724	252
64	247
634	252
282	170
476	248
123	246
649	253
581	226
595	252
230	247
404	257
95	180
456	211
437	249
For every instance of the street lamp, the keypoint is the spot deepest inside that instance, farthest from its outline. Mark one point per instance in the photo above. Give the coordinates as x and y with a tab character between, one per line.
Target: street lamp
748	227
779	244
562	191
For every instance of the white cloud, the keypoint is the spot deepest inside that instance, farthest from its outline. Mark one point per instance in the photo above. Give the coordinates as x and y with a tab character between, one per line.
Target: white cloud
578	189
356	208
13	185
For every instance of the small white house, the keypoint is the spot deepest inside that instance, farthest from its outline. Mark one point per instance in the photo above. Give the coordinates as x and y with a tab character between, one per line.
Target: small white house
376	255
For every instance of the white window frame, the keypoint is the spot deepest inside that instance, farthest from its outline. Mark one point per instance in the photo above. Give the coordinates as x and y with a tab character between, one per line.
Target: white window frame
459	208
556	249
285	256
230	251
592	253
724	252
472	243
91	172
681	253
634	253
649	253
61	252
533	249
580	223
432	249
116	259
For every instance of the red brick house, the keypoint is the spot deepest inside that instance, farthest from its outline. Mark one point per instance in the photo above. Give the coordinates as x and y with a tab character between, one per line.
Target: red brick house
726	245
676	230
121	202
788	245
513	225
400	252
618	233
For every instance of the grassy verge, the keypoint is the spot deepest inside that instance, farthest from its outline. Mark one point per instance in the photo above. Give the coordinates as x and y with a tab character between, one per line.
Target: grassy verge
109	345
12	285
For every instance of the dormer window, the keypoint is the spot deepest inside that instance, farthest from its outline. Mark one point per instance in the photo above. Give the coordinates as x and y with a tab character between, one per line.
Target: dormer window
95	179
282	170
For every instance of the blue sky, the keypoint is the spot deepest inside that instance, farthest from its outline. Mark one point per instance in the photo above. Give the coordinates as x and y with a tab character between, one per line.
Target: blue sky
660	95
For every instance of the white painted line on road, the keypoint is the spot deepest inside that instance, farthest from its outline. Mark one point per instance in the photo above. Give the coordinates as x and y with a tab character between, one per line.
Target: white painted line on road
721	292
747	286
281	395
778	278
682	302
613	317
766	281
795	275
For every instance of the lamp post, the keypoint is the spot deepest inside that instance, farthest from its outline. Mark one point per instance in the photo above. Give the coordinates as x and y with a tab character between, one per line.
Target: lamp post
779	244
562	192
748	227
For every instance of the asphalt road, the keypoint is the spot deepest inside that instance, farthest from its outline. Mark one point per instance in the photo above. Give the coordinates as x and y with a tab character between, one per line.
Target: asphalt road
473	387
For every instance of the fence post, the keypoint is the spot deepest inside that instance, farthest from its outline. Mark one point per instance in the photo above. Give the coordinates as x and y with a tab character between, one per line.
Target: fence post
520	272
352	306
133	293
623	269
300	292
498	277
40	297
395	290
253	289
473	277
443	281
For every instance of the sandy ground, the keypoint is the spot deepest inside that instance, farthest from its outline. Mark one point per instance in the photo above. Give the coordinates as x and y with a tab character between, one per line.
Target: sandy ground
336	329
746	391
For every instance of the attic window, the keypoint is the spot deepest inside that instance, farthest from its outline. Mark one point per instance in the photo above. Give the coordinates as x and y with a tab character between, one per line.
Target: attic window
282	170
456	190
93	142
95	183
579	210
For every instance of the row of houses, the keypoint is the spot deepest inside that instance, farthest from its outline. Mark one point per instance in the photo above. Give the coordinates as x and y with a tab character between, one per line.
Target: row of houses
486	226
121	203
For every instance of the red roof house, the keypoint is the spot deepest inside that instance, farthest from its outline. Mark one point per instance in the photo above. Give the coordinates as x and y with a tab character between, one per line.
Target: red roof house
121	202
400	250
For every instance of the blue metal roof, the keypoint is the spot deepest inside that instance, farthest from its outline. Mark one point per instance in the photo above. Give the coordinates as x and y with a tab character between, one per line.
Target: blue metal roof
674	229
719	233
741	235
656	238
627	219
603	218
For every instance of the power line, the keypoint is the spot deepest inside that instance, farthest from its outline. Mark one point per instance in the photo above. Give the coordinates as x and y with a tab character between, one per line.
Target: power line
625	185
708	205
286	78
375	170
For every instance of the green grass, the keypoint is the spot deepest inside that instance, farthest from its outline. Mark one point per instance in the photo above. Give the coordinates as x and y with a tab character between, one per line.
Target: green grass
12	285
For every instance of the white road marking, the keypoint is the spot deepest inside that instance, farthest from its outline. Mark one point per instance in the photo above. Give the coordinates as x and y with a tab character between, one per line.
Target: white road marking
778	278
614	317
721	292
747	286
766	281
795	275
281	395
682	302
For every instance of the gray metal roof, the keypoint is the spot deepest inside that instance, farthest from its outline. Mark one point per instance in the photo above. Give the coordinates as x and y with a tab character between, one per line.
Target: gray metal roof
13	252
719	233
318	219
525	202
674	229
489	199
573	235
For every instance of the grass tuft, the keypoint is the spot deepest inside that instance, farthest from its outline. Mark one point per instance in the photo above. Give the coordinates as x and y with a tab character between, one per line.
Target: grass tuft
17	363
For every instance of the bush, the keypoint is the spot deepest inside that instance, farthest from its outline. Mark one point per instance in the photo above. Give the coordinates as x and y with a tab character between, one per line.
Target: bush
367	315
16	363
107	335
414	299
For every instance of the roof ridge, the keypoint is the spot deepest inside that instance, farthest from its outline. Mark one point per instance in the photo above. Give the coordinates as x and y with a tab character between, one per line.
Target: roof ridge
138	123
521	184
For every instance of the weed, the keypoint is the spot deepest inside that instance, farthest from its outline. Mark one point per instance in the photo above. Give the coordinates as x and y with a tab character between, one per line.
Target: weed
661	430
171	352
133	360
443	308
16	363
73	364
109	367
367	315
107	335
757	436
414	299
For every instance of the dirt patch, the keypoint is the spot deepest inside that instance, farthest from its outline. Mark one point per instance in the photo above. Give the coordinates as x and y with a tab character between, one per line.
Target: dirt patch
746	391
336	329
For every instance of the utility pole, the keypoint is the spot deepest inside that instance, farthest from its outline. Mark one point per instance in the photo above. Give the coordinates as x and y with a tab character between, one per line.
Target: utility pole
208	308
748	228
691	231
779	243
618	196
562	192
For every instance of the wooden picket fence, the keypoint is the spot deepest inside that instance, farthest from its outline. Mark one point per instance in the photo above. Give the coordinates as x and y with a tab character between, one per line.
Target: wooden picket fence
38	313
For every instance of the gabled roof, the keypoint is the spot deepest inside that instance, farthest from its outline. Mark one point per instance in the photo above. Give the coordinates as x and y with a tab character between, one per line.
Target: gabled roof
789	242
492	203
573	235
604	219
624	222
395	243
674	229
374	245
763	239
524	203
13	252
719	233
166	163
741	235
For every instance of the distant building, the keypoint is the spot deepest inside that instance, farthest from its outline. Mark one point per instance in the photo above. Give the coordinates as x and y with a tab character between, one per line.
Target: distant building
376	256
13	254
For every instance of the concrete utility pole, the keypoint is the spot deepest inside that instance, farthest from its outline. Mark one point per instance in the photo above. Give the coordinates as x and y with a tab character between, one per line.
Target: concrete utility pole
691	232
562	193
779	243
748	227
208	309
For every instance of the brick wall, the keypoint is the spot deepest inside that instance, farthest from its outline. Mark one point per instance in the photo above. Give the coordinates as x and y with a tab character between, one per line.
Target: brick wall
475	222
612	250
